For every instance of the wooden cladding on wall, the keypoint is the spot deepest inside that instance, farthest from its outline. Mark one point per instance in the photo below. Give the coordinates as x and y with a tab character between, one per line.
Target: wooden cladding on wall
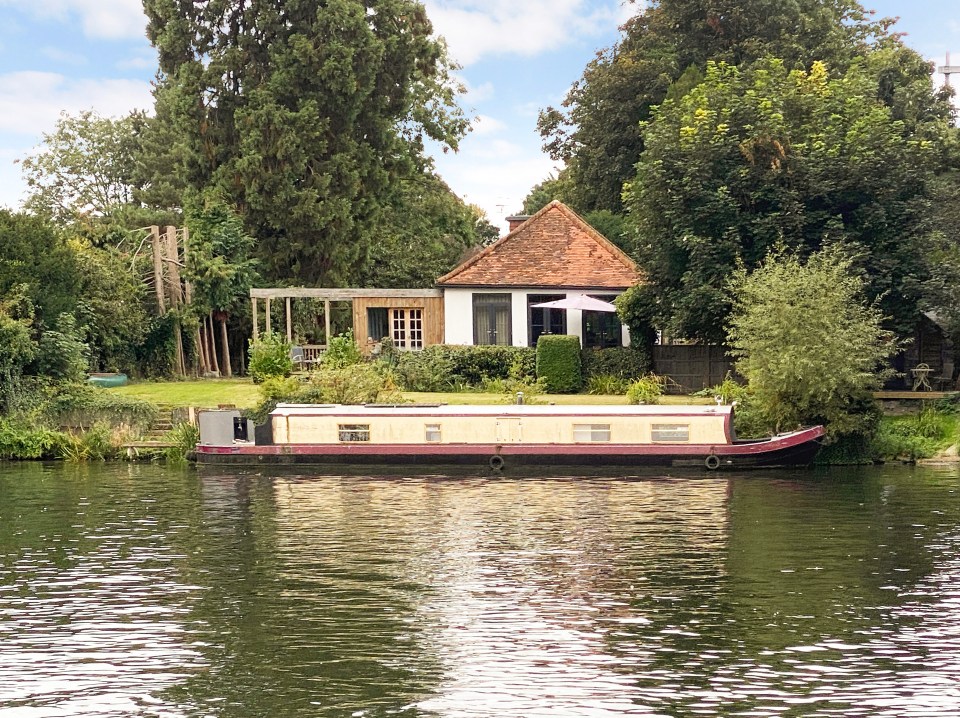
432	308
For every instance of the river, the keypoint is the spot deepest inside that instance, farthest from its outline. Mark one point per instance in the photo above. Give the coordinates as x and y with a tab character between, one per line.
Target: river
138	590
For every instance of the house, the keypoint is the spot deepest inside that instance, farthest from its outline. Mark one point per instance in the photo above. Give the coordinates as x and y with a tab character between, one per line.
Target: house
490	298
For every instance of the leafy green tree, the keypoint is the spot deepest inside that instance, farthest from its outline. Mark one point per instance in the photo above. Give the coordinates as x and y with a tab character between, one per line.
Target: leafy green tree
424	230
597	131
220	267
808	343
303	116
543	194
750	160
35	256
85	166
17	348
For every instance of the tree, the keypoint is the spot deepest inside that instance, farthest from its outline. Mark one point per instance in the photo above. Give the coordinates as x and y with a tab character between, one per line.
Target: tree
750	160
423	232
808	343
36	260
597	131
303	116
542	194
221	271
84	167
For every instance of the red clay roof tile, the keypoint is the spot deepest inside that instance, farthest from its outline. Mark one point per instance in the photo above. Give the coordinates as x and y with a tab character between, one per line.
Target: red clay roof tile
554	248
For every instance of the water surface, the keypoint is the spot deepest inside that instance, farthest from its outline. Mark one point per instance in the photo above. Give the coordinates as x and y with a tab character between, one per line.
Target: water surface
142	591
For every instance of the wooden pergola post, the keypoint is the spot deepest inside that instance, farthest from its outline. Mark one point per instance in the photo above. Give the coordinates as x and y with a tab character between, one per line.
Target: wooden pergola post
268	315
289	324
326	321
256	322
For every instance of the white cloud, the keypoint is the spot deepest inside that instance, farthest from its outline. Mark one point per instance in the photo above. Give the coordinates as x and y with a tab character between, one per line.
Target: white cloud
62	56
30	102
477	28
481	93
486	125
111	19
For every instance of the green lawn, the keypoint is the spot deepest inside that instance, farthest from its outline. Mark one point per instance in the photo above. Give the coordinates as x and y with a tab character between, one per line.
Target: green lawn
209	393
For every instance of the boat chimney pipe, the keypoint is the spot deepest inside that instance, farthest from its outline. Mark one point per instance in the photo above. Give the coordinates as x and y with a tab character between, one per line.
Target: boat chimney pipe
519	397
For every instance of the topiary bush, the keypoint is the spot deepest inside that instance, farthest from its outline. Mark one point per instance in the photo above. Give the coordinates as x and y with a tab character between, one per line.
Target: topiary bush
269	357
558	363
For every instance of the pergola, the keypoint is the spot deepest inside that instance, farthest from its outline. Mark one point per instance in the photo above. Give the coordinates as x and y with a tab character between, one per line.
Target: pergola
288	294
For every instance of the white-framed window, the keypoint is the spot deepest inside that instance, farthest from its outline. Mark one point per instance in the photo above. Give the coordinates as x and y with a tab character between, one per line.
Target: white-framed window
407	328
670	433
432	432
591	432
354	432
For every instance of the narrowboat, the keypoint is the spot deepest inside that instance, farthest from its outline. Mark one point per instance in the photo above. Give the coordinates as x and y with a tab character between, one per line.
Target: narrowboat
497	437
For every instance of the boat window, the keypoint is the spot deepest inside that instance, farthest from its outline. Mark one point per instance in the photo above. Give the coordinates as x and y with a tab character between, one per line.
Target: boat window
591	432
433	432
671	433
354	432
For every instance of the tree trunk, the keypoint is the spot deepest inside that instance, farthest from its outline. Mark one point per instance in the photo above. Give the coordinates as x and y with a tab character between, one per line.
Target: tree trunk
213	344
202	351
225	345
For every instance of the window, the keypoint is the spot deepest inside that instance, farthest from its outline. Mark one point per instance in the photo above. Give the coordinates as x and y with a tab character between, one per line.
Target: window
591	432
377	323
432	432
671	433
354	432
544	321
601	329
491	319
407	328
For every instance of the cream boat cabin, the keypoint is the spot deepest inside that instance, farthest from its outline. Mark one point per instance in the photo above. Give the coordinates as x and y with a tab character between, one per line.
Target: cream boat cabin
498	437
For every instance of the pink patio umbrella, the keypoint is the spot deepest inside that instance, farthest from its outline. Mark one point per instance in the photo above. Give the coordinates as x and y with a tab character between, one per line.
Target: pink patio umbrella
578	301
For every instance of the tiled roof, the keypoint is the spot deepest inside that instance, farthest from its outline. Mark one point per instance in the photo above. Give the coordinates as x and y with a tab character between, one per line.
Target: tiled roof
554	248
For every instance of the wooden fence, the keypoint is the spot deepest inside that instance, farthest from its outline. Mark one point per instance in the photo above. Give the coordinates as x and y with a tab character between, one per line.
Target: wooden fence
691	367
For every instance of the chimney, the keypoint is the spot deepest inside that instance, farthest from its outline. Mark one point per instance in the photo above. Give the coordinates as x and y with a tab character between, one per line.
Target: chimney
516	220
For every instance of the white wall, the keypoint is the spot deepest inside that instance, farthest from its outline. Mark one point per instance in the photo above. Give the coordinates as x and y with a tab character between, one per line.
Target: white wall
458	315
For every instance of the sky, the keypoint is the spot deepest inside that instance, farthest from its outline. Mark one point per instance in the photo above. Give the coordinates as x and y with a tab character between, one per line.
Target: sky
517	57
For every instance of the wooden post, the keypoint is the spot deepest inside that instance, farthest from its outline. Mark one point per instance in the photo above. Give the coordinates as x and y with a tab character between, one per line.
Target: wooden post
326	322
256	321
289	323
158	267
267	300
173	267
188	287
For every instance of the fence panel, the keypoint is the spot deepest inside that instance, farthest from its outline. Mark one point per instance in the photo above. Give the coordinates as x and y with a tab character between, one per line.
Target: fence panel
691	367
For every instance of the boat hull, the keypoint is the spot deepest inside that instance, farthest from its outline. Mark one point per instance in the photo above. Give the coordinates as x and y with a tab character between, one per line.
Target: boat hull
790	450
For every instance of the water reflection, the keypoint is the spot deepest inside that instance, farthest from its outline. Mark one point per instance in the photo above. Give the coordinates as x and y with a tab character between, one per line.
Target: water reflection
133	591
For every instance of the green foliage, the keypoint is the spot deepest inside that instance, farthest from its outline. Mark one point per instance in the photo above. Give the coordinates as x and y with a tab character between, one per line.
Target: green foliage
598	133
764	157
62	355
184	438
20	440
156	355
919	436
445	367
808	346
98	443
637	308
558	363
17	350
645	390
543	194
80	406
85	166
269	357
364	383
36	261
422	233
319	109
614	227
509	389
621	362
600	384
342	351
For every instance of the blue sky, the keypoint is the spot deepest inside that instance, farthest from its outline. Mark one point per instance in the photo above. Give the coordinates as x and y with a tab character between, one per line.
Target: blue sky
518	56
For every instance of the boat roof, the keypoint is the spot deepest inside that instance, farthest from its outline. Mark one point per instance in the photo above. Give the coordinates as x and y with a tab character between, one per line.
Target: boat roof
519	410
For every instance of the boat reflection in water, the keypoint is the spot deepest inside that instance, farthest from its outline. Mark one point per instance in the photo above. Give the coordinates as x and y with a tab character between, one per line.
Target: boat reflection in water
511	438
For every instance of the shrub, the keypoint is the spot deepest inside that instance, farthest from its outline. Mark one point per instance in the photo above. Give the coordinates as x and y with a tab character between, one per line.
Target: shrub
96	444
21	441
646	390
184	438
623	362
80	406
341	351
62	355
607	384
558	363
427	370
269	357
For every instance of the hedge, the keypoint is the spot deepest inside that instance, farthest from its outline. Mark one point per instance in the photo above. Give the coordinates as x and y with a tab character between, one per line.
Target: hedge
558	363
622	362
443	367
